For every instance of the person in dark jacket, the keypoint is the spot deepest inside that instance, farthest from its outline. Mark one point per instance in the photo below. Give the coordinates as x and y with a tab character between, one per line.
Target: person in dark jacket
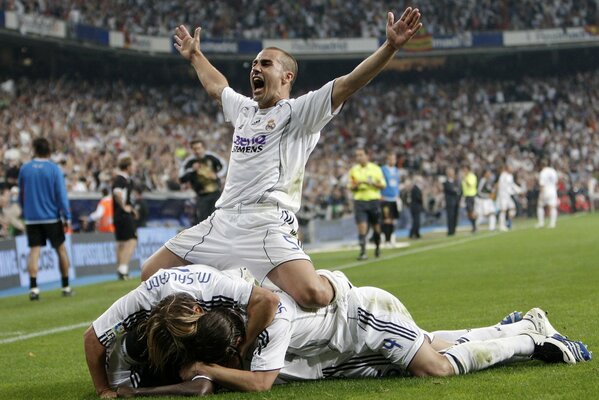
452	191
416	207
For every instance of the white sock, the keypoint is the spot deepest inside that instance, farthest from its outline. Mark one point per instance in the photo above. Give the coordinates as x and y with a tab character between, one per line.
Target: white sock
492	222
123	269
552	216
476	356
541	215
502	220
486	333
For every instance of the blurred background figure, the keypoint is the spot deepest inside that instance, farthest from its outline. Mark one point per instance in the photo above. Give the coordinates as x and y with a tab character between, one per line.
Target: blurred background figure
506	189
124	215
548	180
43	198
365	182
390	198
469	190
452	192
201	171
103	216
485	203
416	206
141	207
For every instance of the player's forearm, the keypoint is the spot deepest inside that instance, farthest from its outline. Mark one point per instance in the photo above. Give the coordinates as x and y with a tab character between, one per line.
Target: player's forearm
212	80
348	84
243	381
95	355
198	387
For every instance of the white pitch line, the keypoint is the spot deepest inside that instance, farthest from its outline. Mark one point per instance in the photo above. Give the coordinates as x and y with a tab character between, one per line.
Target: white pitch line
417	250
44	332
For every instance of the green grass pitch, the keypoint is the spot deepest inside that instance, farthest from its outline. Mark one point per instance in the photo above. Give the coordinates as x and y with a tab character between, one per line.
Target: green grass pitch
446	283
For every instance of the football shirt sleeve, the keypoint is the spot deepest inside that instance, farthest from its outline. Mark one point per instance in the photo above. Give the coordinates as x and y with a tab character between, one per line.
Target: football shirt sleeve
314	108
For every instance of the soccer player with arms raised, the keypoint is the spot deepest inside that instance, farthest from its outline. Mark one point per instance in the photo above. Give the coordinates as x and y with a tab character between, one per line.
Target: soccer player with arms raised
254	224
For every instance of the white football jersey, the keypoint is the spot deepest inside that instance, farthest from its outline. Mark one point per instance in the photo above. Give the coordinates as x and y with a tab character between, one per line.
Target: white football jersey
313	344
506	186
548	180
298	331
209	286
271	147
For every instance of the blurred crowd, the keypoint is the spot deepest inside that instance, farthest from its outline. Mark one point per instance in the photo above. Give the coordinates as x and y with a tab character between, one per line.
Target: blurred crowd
259	19
430	125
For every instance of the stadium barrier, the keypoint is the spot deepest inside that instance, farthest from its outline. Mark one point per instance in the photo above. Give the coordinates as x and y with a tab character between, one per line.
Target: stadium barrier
90	254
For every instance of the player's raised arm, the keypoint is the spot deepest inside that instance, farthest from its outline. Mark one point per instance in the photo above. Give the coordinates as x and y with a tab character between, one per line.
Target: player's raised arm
398	33
189	47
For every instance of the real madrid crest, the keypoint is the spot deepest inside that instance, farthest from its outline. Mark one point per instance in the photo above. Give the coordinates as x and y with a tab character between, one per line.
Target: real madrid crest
270	125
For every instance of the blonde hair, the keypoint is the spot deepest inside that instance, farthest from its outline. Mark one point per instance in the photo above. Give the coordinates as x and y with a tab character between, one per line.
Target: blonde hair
172	323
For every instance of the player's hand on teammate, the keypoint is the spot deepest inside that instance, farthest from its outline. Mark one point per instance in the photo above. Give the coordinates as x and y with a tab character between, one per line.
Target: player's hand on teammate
185	43
402	30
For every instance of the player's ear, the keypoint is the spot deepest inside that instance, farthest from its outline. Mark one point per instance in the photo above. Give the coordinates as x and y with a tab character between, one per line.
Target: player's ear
288	77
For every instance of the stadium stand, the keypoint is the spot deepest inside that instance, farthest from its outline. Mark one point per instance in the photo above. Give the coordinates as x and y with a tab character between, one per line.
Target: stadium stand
259	19
482	123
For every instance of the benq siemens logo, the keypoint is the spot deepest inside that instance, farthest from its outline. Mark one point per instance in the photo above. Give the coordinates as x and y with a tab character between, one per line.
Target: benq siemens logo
248	145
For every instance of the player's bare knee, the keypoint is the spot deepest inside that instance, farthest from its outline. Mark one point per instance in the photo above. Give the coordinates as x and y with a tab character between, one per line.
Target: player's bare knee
434	369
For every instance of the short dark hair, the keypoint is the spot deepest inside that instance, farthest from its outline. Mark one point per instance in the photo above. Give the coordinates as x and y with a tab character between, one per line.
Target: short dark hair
289	62
196	140
124	163
41	147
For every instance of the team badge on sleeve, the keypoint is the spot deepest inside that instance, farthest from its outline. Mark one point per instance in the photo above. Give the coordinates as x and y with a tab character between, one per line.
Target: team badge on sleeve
270	125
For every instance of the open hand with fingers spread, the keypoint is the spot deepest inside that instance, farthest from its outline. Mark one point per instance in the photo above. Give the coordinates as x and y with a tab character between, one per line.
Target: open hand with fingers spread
402	30
185	43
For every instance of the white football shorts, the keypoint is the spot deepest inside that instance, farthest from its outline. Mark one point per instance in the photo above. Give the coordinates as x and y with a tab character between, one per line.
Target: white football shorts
258	237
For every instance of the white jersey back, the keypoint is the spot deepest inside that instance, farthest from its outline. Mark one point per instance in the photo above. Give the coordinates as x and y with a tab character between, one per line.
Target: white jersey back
210	287
271	147
300	332
548	180
506	186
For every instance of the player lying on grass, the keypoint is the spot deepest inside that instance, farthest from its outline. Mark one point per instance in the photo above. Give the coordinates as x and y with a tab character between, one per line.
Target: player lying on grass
115	344
273	137
369	334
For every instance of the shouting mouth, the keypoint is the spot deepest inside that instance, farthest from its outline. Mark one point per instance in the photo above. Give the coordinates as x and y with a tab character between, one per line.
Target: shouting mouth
258	85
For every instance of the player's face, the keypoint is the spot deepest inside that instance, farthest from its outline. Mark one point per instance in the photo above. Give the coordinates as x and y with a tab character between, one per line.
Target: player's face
361	157
198	149
267	79
391	160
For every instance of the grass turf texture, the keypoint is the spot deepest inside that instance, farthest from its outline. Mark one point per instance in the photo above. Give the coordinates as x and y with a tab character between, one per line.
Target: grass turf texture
446	283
